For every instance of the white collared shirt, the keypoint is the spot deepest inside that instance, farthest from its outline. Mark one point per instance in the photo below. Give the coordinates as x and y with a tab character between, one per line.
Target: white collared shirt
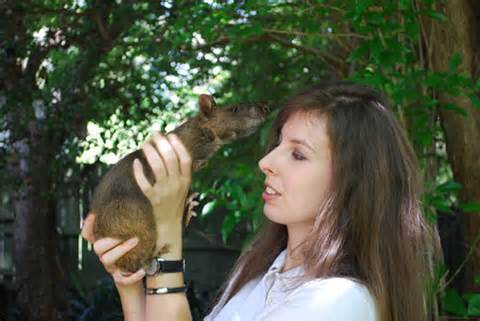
271	298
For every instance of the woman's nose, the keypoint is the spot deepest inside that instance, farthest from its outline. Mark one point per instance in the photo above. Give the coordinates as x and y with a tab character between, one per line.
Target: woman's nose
266	165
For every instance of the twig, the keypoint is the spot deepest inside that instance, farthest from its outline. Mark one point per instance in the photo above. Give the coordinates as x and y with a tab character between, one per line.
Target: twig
327	34
329	59
467	257
36	9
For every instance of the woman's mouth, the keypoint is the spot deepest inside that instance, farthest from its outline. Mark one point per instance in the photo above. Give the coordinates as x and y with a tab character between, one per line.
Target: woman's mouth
269	194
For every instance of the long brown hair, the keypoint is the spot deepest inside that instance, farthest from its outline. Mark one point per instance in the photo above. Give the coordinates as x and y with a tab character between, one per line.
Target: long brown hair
371	228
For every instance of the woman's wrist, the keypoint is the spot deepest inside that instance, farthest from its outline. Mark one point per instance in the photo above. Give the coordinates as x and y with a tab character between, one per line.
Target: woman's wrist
169	241
165	280
132	298
131	290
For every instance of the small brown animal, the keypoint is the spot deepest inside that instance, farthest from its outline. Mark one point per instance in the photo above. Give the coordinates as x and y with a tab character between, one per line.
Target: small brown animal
123	211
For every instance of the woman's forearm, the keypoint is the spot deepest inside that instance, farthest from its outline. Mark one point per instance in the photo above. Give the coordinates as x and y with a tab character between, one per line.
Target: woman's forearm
172	306
167	307
133	302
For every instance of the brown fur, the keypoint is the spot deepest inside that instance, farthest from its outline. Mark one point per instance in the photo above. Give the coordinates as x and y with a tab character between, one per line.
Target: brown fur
122	210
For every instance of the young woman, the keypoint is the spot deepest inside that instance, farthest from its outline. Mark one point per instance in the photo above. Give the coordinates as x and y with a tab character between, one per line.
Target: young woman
344	234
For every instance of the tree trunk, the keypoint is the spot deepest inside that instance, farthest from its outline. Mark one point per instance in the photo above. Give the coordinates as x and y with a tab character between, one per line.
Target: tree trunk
39	275
459	35
39	278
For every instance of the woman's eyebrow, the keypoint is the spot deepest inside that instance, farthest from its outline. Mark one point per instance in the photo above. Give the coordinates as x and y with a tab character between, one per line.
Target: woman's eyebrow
301	142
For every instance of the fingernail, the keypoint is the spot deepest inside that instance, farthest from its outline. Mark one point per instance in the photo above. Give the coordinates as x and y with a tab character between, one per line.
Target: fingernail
133	241
136	163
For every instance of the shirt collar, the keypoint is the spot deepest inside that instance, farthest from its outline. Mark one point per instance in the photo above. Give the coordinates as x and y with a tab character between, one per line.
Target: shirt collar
279	261
278	264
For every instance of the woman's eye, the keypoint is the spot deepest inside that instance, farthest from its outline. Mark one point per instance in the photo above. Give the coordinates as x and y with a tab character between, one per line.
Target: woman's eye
297	156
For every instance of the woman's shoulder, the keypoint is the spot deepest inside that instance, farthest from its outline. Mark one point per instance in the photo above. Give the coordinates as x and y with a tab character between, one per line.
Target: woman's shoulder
336	298
338	287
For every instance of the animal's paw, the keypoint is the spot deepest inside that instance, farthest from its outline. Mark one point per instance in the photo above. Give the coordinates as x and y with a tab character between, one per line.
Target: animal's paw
190	204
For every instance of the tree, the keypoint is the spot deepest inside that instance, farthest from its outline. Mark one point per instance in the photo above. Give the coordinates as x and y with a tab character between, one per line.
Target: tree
454	47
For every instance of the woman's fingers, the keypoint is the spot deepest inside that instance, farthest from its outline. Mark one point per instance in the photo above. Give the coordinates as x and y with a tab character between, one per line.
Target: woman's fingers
109	251
111	256
155	161
183	155
168	154
87	228
128	278
104	244
141	179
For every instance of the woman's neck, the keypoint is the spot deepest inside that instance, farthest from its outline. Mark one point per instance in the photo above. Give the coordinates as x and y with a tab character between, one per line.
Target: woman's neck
296	235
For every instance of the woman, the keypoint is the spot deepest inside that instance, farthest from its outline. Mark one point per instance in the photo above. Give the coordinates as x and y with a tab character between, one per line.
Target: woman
344	238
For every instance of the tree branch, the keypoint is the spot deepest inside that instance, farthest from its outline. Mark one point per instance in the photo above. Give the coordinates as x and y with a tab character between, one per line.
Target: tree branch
327	34
328	59
41	10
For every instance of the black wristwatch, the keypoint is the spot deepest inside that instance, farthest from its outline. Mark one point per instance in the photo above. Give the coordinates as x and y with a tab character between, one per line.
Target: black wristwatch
161	265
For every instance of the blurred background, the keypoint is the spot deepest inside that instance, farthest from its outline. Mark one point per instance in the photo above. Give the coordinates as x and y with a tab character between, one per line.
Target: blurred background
84	82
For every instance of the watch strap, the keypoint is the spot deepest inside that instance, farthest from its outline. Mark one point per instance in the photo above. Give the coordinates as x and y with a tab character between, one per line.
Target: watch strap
152	291
170	266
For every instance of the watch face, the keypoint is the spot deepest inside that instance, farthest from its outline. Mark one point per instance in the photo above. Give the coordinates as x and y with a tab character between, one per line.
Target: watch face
152	267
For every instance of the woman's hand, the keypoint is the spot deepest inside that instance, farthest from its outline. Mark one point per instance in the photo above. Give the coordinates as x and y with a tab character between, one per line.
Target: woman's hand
171	164
109	250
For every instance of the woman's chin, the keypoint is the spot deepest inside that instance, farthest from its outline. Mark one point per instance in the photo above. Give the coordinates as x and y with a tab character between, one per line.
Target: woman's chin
272	215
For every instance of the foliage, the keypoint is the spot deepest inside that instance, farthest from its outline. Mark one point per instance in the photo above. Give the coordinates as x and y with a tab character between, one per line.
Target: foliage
466	305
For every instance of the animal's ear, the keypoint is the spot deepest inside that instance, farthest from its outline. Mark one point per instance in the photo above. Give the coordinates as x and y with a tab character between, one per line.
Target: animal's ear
206	104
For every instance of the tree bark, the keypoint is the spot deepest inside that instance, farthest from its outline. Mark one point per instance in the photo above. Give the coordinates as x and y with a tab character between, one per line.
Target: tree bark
40	293
459	35
39	275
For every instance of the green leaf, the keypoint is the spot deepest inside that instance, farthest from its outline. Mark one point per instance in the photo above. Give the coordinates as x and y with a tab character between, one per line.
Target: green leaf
228	225
436	15
453	303
448	187
376	46
474	306
359	52
457	109
470	207
454	62
442	206
208	208
435	80
475	100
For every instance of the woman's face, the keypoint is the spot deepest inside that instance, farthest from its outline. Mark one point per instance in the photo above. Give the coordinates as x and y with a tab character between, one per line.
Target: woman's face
299	171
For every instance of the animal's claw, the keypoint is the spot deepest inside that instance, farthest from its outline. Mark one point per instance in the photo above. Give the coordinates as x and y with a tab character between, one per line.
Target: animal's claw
191	203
